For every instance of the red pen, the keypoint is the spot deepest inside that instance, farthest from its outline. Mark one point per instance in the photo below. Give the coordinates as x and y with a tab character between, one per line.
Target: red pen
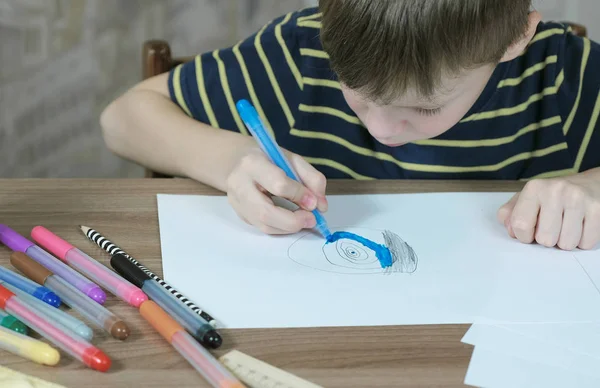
56	333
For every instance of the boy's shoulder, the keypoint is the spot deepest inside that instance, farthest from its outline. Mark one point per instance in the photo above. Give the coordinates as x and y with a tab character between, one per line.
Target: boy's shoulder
557	39
553	58
296	21
299	28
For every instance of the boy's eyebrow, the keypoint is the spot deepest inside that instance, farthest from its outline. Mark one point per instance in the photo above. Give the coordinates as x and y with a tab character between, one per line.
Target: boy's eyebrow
440	98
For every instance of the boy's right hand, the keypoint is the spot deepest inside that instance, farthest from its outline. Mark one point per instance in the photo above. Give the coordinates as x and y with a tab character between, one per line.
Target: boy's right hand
255	179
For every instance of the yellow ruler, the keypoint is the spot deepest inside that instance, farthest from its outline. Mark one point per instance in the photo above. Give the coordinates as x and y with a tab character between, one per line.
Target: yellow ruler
258	374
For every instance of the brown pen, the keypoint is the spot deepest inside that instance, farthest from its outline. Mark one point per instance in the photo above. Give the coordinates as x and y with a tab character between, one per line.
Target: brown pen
71	296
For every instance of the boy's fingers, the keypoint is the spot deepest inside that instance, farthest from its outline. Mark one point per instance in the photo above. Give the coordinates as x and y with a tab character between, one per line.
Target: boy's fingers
257	208
269	218
314	180
524	217
270	230
509	228
572	228
286	221
290	221
549	224
275	181
591	232
506	210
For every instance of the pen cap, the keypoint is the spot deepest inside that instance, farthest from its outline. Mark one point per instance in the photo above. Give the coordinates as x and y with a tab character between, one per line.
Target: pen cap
5	295
128	270
13	240
31	268
54	244
159	319
15	325
249	115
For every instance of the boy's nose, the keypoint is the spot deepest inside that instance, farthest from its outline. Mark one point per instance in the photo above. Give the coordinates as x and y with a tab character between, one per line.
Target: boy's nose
384	129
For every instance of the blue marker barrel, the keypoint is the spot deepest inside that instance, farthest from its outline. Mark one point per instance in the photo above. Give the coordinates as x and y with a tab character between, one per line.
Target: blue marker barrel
42	293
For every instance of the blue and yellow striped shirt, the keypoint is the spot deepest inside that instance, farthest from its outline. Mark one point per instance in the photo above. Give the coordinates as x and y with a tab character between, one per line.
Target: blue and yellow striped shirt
537	117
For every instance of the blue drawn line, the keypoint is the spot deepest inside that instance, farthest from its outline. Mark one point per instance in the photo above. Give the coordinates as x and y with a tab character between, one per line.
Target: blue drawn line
381	251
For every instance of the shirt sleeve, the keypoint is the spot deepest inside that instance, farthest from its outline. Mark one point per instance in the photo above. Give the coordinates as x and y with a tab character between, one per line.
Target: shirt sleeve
579	99
262	69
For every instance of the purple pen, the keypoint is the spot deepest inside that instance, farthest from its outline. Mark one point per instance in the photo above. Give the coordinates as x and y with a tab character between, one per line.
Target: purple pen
18	243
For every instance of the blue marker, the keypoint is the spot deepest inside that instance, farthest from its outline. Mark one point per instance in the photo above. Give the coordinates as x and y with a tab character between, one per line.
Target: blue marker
381	251
42	293
256	127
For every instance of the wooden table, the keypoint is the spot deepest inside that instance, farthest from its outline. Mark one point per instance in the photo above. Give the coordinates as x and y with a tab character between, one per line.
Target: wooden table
125	211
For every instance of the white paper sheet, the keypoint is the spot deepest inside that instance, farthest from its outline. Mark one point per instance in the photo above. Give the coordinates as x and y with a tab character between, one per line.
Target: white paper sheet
467	267
580	338
492	369
503	340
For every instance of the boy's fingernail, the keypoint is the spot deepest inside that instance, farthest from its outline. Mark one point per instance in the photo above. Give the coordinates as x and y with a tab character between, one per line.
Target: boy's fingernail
323	207
309	222
308	201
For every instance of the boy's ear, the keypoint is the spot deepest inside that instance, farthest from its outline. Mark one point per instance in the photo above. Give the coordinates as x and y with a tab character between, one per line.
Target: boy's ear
518	47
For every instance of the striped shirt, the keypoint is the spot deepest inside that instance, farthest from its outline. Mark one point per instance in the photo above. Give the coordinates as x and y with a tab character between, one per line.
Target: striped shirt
537	116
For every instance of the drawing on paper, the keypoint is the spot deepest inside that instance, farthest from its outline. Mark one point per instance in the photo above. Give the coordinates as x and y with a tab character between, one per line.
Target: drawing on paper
355	251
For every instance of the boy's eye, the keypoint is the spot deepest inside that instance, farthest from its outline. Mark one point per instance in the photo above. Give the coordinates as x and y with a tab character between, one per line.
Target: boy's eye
429	112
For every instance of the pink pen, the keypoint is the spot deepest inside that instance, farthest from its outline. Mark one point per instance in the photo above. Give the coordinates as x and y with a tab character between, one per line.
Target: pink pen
106	278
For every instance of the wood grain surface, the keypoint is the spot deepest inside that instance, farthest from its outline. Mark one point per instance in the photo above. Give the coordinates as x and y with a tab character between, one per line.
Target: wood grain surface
125	211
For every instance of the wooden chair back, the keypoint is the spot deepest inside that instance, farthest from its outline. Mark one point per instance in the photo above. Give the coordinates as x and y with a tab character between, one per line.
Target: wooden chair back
157	59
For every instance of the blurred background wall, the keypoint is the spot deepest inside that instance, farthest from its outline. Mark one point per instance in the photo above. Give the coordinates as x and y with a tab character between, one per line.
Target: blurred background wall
63	61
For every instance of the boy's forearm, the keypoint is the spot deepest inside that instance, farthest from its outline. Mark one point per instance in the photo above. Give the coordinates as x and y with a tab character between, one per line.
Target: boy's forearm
147	128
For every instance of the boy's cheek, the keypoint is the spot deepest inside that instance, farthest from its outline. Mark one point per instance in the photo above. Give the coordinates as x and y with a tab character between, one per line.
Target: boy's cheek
357	107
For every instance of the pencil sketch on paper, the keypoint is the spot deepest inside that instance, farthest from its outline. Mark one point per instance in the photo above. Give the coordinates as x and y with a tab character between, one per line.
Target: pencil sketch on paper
356	251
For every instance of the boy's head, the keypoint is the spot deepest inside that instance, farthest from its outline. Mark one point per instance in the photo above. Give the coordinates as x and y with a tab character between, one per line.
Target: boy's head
411	69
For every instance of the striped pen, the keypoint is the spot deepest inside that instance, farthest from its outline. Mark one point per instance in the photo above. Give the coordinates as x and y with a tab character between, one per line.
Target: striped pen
113	249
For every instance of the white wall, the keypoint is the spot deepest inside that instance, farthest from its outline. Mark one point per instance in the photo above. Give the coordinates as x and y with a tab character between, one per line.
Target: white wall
586	12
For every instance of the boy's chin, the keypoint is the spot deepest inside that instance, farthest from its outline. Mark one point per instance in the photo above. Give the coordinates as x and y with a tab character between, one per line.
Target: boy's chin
396	145
392	144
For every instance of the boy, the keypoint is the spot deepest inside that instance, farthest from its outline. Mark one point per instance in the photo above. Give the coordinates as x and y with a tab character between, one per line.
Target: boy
387	89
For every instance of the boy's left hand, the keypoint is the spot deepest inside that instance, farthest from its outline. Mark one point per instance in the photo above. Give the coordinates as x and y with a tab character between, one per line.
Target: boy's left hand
563	212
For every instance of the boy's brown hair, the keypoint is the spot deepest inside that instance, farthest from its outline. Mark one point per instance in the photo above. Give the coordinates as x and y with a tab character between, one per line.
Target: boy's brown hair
381	48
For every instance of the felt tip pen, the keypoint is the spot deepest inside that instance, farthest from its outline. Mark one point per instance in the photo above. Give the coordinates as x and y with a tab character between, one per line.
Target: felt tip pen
18	243
89	267
112	249
12	323
255	125
57	315
192	322
56	333
71	296
40	292
208	366
28	348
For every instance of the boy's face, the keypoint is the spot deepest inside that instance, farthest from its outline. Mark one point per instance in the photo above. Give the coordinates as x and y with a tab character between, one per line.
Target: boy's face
410	118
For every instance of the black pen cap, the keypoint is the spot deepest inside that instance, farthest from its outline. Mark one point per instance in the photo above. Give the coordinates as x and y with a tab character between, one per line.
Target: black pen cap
210	338
128	270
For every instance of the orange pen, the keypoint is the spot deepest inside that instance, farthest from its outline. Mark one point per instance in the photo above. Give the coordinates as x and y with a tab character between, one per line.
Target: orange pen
208	366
